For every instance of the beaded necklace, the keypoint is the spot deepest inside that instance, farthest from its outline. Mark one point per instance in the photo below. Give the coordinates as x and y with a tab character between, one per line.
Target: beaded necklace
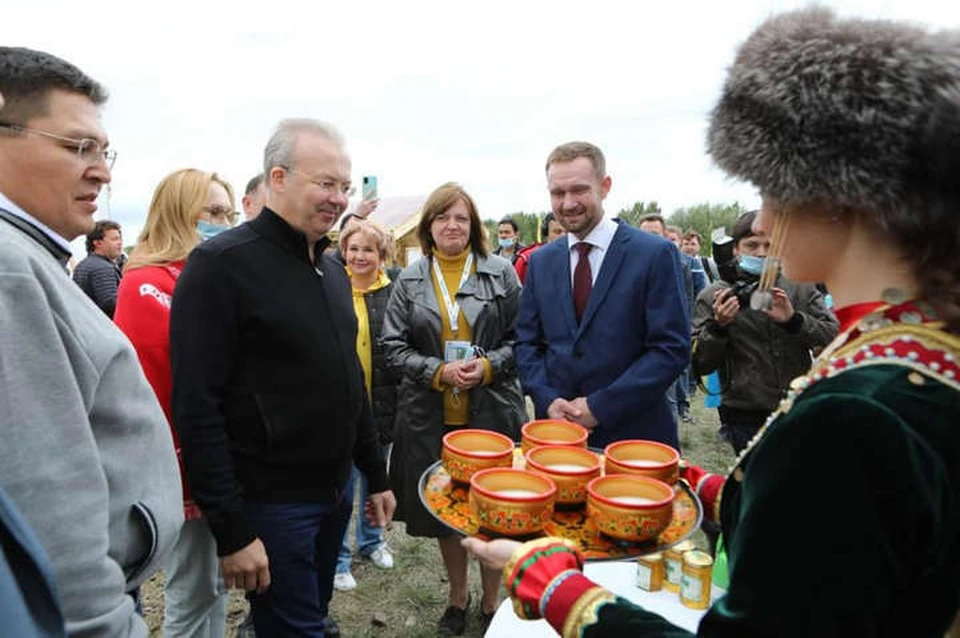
907	334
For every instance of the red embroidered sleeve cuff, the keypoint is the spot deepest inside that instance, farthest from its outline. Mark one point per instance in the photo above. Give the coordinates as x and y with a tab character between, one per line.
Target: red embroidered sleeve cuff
558	602
545	580
533	567
707	486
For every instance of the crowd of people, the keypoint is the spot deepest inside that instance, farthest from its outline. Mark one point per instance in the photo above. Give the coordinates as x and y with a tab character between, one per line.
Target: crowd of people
211	404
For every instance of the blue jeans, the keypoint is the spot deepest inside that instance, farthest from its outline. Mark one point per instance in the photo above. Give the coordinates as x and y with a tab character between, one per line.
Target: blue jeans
682	387
369	537
672	401
302	541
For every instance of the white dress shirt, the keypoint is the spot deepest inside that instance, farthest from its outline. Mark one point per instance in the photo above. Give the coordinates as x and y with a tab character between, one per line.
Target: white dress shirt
600	238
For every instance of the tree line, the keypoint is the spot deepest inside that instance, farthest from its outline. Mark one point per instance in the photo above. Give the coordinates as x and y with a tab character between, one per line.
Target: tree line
703	218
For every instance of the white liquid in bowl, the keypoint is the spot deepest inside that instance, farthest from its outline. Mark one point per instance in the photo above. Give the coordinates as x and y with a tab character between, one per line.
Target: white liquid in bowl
639	462
632	500
517	493
485	452
566	467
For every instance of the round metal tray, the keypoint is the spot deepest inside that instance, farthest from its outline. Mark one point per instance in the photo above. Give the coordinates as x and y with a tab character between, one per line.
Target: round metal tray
448	502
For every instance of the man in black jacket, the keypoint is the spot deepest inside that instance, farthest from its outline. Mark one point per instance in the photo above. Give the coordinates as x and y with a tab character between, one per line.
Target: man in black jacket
268	394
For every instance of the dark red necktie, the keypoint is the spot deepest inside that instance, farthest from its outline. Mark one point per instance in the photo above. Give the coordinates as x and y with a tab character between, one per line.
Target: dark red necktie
582	280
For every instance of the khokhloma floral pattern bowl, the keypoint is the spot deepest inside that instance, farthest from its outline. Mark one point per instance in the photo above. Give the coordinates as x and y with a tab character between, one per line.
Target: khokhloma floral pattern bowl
643	458
571	468
552	432
630	508
509	502
466	452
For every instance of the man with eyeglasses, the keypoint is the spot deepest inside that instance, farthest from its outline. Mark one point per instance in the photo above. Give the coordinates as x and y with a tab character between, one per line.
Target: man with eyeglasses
268	394
86	453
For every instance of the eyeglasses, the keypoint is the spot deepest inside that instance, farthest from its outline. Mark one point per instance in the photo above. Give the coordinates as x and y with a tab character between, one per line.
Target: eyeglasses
328	186
222	213
88	149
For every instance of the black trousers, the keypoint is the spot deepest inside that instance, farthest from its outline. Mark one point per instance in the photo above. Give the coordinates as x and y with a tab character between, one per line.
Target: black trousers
737	426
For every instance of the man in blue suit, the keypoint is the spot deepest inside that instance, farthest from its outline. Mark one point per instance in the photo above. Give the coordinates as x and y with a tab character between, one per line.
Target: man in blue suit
604	327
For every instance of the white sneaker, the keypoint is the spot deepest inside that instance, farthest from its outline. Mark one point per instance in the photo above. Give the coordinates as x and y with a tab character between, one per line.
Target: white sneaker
382	557
344	582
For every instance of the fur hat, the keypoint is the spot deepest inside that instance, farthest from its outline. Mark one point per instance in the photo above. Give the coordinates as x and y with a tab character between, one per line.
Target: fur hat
816	108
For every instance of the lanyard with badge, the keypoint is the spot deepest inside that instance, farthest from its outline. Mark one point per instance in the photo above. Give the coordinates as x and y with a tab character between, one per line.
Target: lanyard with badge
454	350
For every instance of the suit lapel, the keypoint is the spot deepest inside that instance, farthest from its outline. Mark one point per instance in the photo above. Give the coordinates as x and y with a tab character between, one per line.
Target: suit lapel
560	276
608	270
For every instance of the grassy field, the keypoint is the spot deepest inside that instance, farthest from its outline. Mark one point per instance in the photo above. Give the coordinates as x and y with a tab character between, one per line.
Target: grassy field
408	600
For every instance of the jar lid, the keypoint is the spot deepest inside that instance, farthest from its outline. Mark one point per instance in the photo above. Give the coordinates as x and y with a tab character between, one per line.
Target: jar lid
651	558
696	558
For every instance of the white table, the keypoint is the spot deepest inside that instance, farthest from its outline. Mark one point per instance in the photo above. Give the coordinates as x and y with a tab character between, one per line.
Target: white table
619	577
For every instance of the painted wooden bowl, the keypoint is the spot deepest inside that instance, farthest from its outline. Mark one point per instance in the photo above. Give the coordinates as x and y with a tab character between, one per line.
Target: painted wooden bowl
571	468
465	452
643	458
552	432
629	507
509	502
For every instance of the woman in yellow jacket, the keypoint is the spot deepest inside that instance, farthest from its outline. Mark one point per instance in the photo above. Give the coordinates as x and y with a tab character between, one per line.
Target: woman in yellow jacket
365	246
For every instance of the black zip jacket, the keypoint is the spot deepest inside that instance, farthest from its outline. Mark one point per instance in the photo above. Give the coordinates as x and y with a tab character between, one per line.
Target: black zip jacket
268	393
383	382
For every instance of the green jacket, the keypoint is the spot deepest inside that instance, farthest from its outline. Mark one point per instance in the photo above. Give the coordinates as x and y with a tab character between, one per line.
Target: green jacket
844	519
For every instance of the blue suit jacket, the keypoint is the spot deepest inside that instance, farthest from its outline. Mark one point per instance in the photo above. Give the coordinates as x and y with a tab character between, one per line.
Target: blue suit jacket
633	341
29	604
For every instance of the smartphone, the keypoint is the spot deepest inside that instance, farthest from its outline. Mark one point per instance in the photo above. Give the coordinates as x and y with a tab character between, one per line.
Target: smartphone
369	190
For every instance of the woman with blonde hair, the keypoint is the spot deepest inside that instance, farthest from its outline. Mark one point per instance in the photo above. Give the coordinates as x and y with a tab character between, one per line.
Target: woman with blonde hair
366	247
457	300
188	206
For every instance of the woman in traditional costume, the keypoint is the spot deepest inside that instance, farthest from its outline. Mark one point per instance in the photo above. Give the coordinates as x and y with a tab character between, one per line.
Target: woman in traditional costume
843	515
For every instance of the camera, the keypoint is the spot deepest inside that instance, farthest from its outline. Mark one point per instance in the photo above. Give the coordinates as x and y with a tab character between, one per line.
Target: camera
742	285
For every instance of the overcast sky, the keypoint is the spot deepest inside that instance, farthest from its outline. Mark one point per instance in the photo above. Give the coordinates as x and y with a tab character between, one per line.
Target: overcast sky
424	92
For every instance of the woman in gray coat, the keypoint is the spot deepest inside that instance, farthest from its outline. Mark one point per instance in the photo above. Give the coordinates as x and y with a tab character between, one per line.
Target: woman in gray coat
448	334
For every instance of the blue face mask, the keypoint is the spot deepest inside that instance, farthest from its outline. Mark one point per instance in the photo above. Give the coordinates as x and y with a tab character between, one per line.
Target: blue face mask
751	265
208	230
506	243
